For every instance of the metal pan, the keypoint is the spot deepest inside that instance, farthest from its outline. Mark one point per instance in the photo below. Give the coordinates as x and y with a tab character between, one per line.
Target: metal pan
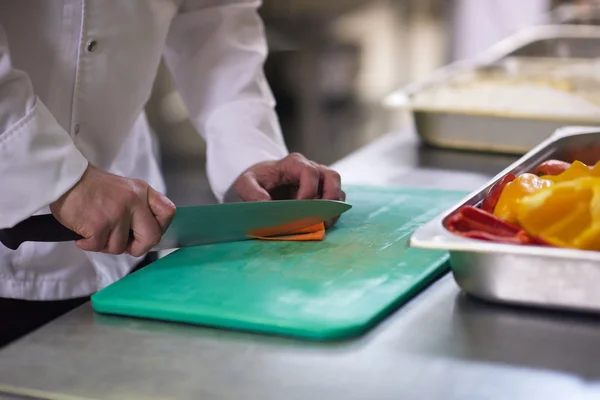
524	275
494	129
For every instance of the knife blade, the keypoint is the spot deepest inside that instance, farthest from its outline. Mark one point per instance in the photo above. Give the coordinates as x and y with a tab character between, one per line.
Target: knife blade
199	225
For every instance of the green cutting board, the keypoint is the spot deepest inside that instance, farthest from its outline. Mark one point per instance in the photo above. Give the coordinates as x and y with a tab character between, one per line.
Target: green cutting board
332	289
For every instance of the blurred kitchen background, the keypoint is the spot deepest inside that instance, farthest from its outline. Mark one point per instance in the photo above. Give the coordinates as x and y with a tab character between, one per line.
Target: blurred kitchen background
332	63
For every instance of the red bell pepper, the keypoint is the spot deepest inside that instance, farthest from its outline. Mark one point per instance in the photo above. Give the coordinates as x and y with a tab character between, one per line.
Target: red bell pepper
491	199
475	223
551	167
492	238
469	218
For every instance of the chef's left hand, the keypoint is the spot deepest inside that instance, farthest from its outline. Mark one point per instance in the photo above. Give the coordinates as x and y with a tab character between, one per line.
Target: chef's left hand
293	177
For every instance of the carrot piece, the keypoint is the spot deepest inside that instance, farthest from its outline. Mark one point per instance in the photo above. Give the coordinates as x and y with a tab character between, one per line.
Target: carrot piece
310	233
285	229
309	229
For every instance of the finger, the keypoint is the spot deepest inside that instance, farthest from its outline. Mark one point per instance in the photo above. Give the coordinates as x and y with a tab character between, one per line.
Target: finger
249	189
284	192
96	242
331	182
296	169
118	238
146	231
331	222
163	209
309	183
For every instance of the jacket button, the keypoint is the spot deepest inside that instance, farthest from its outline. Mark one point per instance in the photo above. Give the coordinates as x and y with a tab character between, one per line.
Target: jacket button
92	46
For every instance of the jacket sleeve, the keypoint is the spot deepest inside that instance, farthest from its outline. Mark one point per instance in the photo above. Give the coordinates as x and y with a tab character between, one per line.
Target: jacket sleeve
215	51
38	160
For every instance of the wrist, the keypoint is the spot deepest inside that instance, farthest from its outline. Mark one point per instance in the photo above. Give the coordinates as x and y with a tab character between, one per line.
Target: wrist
56	204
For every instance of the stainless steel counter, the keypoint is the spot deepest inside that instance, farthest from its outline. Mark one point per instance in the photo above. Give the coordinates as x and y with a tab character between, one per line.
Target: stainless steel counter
441	345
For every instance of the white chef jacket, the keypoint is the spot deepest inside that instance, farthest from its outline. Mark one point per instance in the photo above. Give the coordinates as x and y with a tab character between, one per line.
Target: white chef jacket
74	78
480	24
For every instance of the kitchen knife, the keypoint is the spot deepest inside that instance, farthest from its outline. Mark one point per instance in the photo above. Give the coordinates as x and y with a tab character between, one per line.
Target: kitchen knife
199	225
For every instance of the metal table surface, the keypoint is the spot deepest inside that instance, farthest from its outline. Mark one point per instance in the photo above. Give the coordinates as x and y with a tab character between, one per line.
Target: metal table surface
441	345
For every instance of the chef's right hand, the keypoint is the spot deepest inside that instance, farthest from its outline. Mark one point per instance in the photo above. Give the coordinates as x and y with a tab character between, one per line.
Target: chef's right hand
103	208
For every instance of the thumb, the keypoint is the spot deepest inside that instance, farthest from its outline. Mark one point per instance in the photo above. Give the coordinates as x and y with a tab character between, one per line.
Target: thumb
162	208
248	188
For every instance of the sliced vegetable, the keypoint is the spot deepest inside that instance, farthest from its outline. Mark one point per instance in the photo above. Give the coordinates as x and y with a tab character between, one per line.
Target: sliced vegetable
490	200
596	170
474	223
521	237
556	205
491	237
551	167
576	170
514	191
526	238
469	218
311	233
566	214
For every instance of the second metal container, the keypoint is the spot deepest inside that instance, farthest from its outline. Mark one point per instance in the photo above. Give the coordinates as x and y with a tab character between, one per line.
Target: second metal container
494	130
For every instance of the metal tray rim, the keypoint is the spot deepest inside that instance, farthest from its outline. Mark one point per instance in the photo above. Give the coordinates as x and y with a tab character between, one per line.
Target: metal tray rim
477	113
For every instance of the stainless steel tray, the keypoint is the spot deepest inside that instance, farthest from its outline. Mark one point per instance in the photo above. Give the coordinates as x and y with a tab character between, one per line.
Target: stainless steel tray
525	275
495	132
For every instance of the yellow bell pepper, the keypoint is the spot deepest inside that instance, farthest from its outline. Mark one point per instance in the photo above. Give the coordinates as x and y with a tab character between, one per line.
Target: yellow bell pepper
514	191
565	214
575	171
595	171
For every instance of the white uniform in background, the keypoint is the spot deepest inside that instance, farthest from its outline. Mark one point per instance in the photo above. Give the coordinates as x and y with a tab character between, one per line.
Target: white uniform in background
479	24
74	78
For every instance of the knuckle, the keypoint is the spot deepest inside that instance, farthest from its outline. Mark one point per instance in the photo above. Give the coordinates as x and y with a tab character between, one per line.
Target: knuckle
138	190
313	171
153	239
95	244
242	181
296	157
142	250
335	175
86	230
130	195
137	252
142	245
139	183
96	225
120	210
170	210
117	248
244	178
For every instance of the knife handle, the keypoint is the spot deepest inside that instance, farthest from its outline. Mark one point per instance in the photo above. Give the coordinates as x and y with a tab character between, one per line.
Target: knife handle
39	228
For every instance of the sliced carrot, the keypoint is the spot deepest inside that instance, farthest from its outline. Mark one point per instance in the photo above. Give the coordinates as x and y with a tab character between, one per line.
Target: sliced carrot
285	229
310	233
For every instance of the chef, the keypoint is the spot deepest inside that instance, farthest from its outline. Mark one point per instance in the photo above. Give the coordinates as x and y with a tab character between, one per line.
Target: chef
74	140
